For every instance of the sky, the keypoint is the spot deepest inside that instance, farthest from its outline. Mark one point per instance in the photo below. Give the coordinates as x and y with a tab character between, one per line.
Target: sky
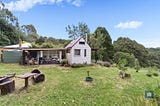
137	19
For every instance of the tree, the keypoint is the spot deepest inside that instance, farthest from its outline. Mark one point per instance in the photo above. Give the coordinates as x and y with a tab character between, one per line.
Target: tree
103	42
10	32
47	45
154	57
29	29
77	31
137	65
31	32
40	40
130	46
4	40
130	59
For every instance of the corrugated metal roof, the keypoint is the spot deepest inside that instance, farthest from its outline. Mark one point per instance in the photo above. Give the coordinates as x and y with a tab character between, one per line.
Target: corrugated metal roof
43	49
24	45
72	43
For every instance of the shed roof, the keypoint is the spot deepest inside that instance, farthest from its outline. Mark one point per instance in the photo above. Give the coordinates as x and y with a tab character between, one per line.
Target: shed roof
44	49
72	43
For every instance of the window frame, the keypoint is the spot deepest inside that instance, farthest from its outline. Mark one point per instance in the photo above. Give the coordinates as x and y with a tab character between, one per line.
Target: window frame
85	52
81	42
77	52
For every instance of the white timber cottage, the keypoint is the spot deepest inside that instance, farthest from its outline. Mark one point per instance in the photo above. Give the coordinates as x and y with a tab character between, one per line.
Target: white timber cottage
78	52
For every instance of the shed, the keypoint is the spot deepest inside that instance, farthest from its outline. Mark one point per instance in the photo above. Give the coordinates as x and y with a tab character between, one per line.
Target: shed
78	52
11	56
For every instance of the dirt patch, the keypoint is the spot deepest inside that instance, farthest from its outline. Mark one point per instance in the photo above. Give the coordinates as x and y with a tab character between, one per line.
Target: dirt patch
86	84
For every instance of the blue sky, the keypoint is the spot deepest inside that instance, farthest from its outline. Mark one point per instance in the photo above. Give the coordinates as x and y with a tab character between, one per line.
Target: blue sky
136	19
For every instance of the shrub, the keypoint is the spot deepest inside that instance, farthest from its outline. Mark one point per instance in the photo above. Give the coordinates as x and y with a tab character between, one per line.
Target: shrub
149	75
77	65
155	74
64	62
104	63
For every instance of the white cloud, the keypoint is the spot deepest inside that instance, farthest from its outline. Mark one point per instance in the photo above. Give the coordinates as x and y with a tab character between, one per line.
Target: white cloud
25	5
129	25
151	43
77	3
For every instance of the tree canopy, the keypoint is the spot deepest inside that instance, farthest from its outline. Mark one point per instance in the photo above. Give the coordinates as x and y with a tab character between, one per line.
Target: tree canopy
102	41
10	32
75	31
130	46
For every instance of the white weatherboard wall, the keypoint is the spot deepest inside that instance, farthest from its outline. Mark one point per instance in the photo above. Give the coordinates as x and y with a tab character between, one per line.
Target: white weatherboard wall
80	59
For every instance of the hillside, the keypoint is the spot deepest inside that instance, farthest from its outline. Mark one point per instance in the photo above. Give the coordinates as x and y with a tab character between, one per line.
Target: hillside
67	86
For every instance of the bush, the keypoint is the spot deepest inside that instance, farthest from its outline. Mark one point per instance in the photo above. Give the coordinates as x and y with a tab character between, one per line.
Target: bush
155	74
104	63
77	65
64	62
149	75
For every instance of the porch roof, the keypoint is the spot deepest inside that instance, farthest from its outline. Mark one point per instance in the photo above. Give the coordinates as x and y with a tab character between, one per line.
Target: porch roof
45	49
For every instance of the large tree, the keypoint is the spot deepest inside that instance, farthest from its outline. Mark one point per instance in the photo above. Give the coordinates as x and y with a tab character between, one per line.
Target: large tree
31	32
130	46
10	32
102	41
75	31
154	57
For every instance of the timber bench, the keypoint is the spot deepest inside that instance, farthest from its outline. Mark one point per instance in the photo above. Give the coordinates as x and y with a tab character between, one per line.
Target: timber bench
26	77
6	86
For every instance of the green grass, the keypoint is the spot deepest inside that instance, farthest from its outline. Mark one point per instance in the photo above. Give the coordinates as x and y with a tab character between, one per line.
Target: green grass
66	86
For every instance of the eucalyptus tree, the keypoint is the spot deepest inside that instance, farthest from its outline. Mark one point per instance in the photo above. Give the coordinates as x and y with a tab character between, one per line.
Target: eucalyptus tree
75	31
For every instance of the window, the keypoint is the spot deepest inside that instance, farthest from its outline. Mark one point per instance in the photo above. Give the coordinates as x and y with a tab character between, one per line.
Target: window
82	43
85	52
77	52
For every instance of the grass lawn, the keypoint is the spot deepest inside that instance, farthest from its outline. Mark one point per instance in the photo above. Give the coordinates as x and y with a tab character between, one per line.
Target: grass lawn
66	86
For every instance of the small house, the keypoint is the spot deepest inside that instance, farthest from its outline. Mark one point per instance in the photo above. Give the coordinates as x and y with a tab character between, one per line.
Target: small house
78	52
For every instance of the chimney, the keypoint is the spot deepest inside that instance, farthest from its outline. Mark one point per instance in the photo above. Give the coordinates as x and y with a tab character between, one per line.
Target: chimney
86	38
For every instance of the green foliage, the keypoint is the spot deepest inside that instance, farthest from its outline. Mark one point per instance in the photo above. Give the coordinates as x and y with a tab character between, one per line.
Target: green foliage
155	74
47	45
154	57
149	74
32	37
104	63
102	41
137	65
122	64
4	40
67	86
63	62
130	59
152	71
29	29
78	65
40	40
10	32
58	43
130	46
34	45
77	31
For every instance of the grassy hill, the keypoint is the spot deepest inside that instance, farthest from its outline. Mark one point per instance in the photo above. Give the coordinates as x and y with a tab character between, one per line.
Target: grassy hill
66	86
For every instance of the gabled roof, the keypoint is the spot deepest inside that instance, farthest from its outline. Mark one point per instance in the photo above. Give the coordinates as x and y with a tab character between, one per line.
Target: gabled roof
72	43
